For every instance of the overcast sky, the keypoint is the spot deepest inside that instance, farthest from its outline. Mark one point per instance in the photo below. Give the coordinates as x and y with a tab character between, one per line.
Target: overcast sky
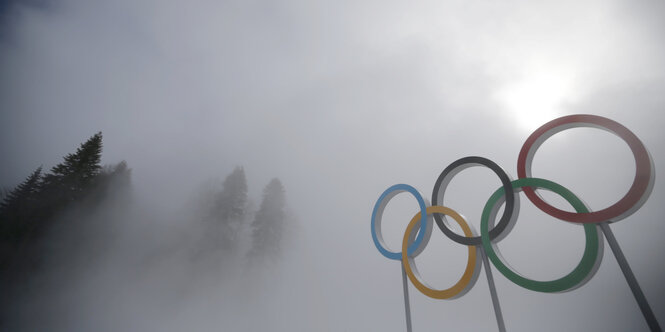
340	100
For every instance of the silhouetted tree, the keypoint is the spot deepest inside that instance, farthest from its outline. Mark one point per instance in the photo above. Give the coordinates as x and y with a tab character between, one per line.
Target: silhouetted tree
268	223
27	212
3	193
110	177
71	179
17	208
18	221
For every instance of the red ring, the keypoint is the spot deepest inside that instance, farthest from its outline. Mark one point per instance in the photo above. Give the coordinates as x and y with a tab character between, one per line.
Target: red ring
620	209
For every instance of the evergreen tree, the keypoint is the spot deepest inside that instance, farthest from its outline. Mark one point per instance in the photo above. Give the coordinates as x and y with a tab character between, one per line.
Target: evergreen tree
71	180
229	210
31	210
110	179
17	208
3	193
268	223
28	211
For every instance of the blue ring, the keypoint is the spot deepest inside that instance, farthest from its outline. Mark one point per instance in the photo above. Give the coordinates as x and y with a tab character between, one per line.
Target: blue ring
423	221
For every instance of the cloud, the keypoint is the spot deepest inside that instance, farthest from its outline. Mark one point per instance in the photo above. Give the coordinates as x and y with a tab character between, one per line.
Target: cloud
341	100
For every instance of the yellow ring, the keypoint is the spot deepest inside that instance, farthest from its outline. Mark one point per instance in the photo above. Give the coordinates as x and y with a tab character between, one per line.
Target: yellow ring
468	275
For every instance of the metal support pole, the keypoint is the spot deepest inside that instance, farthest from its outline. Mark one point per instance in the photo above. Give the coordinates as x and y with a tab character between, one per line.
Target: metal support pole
407	307
630	278
495	297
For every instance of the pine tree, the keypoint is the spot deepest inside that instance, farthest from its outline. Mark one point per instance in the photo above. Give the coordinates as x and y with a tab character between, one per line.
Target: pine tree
230	208
28	210
17	208
111	180
3	193
70	180
268	223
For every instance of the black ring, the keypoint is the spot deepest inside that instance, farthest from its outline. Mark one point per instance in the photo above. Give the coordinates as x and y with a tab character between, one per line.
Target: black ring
447	175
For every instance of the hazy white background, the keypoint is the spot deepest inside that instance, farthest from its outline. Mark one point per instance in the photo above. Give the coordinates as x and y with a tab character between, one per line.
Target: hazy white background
341	99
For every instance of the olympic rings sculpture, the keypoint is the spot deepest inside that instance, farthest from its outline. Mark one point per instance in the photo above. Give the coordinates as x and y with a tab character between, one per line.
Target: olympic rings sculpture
419	229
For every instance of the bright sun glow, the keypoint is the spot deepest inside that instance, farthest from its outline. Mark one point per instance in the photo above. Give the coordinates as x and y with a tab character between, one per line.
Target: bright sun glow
536	99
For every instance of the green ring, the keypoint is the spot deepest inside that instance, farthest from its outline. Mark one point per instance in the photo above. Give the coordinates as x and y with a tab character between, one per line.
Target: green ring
584	268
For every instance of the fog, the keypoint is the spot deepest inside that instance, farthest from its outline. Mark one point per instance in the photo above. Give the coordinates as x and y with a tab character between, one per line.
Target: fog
339	100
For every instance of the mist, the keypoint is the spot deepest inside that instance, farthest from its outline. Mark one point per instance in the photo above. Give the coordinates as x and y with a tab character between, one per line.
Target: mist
339	101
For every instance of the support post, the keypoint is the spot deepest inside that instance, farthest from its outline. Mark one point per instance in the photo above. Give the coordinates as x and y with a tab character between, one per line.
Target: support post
407	307
495	297
630	278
